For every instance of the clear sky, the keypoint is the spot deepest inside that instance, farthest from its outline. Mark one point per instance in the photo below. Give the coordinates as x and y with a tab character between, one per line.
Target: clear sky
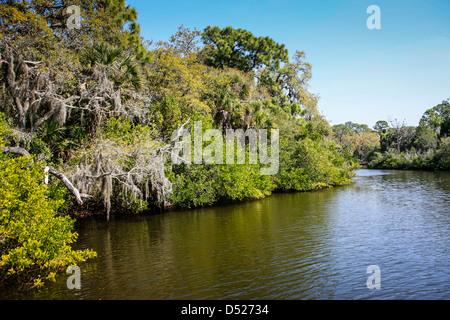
361	75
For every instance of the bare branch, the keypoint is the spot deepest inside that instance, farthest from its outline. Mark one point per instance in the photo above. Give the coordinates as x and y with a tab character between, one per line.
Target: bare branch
41	120
22	152
16	150
68	184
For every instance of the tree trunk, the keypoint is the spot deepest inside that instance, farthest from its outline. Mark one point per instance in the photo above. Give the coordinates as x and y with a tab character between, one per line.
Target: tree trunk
51	170
67	183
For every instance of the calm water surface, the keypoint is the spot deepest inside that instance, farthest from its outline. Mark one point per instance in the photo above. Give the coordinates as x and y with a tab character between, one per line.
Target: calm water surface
313	245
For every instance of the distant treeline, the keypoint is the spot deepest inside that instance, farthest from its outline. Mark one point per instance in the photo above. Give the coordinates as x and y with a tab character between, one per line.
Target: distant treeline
394	145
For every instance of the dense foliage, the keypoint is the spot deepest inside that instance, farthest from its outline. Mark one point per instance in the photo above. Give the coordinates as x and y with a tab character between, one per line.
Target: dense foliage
393	145
240	49
100	104
35	241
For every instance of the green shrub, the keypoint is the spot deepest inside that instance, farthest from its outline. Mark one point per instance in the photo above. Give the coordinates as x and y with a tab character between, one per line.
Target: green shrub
308	164
35	241
199	185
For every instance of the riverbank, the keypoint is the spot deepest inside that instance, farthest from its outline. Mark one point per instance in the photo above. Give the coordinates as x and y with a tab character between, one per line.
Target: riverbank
289	246
437	160
98	210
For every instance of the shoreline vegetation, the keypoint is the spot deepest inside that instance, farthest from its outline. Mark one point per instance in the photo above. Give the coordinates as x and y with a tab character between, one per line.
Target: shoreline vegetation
88	113
395	145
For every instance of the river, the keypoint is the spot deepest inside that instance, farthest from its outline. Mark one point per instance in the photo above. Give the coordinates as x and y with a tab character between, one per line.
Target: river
310	245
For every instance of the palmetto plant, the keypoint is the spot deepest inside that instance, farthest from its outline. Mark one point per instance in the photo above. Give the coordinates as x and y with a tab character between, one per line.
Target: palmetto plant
225	103
256	117
119	67
54	136
112	82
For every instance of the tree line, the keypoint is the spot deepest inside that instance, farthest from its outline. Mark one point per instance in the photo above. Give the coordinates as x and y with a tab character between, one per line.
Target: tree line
395	145
86	118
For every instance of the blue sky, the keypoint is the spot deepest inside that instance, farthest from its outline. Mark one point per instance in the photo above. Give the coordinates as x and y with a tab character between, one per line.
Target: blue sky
361	75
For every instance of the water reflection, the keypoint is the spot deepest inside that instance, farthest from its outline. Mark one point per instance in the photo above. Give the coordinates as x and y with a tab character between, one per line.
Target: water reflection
313	245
